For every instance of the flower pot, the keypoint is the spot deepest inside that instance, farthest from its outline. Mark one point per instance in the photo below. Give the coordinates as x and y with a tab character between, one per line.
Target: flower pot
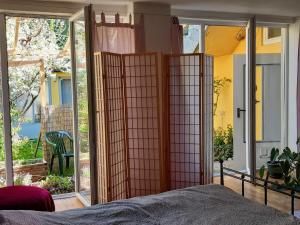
274	169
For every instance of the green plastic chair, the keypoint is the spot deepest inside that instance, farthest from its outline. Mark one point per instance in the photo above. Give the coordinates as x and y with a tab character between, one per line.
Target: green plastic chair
56	139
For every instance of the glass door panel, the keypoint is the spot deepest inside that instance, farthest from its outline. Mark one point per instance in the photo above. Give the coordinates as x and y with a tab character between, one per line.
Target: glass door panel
6	171
268	92
82	100
2	152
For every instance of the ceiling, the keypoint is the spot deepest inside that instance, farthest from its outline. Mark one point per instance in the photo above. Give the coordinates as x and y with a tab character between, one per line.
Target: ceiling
265	7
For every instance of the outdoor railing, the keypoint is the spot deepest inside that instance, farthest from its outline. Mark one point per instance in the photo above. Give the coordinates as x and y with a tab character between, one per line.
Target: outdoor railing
264	183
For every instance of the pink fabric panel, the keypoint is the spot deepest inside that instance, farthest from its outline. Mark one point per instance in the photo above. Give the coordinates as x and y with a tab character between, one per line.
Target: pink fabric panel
176	36
115	39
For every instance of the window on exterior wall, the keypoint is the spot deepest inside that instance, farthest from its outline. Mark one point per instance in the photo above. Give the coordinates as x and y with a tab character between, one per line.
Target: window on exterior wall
66	92
271	35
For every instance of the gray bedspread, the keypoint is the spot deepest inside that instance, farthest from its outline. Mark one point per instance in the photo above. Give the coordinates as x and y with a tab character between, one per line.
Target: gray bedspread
203	205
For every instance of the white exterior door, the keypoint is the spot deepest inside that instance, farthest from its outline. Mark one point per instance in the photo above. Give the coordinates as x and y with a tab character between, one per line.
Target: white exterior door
268	109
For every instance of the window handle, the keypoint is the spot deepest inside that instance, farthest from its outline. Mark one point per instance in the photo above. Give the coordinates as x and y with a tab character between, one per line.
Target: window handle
238	112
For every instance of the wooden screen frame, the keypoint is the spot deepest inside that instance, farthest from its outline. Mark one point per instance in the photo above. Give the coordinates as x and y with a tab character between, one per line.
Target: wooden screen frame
162	76
158	119
106	118
201	114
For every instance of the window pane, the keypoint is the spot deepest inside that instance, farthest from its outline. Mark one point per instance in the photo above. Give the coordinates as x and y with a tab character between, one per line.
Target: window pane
191	35
268	94
82	104
2	151
274	32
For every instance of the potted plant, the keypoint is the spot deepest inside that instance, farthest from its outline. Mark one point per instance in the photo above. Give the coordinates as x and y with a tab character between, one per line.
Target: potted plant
274	165
290	165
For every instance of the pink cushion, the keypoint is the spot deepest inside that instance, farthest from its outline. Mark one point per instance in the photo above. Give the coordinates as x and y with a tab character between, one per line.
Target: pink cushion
26	198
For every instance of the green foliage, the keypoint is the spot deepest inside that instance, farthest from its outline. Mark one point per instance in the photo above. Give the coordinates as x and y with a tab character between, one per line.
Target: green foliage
22	179
274	154
219	85
57	184
223	144
61	29
289	162
262	171
22	149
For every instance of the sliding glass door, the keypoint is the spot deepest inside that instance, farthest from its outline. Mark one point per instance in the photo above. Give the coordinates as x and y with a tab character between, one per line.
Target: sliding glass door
82	67
6	170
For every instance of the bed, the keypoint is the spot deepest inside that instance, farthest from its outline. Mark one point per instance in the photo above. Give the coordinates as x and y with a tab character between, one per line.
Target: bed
201	205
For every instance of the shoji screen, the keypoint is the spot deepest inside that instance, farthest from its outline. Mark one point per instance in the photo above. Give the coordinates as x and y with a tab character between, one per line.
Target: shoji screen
208	118
154	123
143	124
185	120
111	138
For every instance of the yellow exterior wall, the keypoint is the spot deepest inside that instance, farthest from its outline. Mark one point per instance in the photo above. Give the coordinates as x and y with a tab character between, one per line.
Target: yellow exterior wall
259	107
223	67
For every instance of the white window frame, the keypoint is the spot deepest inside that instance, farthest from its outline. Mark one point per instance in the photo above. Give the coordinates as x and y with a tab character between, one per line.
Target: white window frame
5	103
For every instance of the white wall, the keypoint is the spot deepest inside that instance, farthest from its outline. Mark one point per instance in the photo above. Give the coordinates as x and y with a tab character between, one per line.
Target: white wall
292	83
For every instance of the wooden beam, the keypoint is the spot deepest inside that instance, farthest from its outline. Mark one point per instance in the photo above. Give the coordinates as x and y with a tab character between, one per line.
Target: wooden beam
24	63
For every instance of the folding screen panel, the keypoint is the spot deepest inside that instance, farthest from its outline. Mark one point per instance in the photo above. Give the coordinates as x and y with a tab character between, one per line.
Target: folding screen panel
111	139
208	118
154	123
143	124
185	120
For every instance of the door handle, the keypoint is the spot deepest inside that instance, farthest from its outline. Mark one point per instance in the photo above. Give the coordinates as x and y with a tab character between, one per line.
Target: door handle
238	112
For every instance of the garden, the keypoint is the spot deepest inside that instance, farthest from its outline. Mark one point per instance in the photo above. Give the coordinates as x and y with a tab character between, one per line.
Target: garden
37	49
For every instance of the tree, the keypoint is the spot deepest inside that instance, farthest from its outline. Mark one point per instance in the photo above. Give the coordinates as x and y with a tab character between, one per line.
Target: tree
34	39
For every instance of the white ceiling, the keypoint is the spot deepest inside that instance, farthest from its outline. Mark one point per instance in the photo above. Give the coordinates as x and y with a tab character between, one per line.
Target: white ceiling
265	7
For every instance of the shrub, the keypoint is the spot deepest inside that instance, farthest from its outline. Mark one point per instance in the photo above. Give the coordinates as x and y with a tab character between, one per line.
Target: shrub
223	144
22	179
57	184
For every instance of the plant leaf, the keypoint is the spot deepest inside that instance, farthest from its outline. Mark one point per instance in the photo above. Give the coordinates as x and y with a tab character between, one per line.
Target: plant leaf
262	171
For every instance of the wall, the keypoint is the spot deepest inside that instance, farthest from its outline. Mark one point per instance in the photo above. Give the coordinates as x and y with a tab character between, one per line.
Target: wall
53	119
36	170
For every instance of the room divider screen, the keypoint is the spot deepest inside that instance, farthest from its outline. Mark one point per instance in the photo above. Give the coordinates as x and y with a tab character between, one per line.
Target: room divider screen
150	123
143	126
110	128
185	120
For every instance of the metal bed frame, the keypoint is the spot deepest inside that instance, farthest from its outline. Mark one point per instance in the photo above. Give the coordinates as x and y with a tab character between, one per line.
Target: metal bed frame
264	183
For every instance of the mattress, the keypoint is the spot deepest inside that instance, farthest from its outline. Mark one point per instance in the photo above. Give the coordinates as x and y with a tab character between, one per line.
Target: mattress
201	205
